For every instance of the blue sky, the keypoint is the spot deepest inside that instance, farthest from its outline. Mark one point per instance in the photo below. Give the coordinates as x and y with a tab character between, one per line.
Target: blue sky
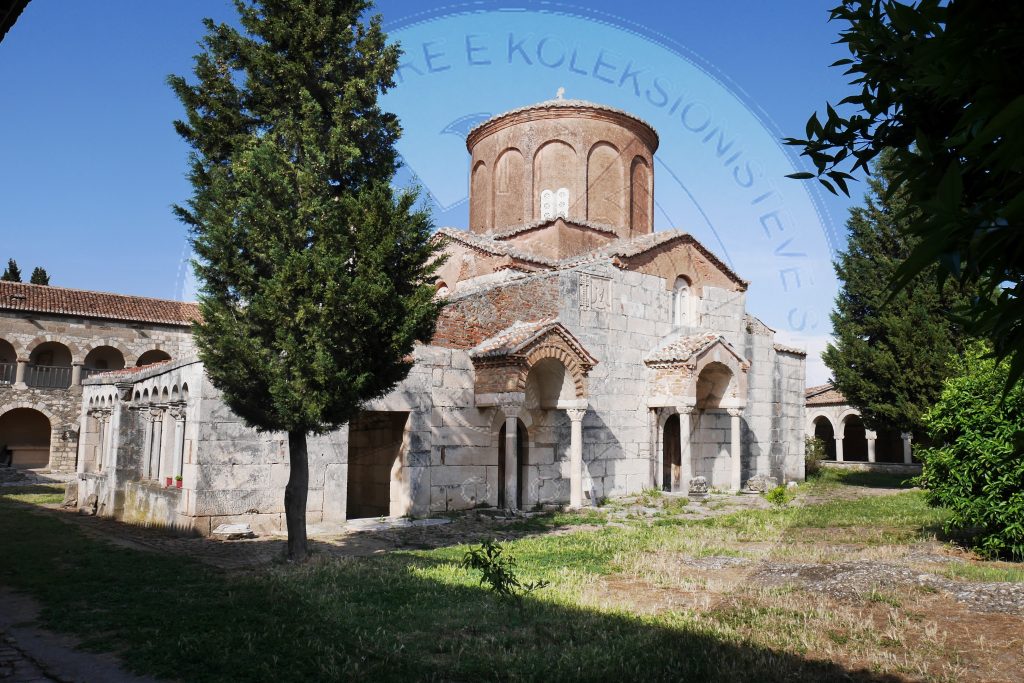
91	163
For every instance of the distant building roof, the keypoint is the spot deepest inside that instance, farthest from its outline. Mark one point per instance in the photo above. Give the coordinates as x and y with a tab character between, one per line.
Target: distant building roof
18	296
824	395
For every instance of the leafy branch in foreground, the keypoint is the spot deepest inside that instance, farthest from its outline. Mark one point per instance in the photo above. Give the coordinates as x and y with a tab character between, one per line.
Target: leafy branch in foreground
498	569
938	83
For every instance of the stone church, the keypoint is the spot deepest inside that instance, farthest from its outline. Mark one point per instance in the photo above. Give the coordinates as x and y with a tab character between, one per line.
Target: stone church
580	355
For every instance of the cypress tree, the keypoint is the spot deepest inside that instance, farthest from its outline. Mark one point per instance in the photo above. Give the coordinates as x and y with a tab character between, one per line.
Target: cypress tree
315	274
890	357
13	272
40	276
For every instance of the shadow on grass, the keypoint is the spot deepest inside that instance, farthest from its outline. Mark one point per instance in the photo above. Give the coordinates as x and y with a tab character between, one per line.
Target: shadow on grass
392	617
877	480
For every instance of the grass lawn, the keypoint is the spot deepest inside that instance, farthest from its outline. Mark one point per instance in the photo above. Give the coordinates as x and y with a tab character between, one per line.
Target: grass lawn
621	604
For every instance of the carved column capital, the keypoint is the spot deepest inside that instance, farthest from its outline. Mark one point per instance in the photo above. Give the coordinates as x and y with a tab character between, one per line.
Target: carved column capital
576	414
735	412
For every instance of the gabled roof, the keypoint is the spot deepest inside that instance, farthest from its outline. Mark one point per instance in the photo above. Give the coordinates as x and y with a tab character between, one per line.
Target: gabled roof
19	296
682	349
824	395
544	222
621	248
521	336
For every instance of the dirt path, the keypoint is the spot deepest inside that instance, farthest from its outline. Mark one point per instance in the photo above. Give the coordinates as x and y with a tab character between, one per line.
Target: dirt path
29	654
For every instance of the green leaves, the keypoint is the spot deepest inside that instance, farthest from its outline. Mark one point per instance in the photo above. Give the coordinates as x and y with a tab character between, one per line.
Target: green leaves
976	470
939	84
316	276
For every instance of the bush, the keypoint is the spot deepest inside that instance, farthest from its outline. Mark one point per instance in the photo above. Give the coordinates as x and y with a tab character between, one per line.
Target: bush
976	470
814	453
780	495
498	571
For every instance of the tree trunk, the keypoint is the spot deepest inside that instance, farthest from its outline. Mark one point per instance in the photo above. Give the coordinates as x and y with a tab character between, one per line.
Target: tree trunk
295	494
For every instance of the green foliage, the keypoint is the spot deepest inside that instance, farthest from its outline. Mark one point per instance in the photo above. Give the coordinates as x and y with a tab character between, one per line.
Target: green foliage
953	114
13	273
315	275
814	453
890	355
498	569
780	495
977	470
40	276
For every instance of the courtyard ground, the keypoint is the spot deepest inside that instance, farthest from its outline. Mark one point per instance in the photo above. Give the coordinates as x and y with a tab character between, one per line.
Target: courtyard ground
849	581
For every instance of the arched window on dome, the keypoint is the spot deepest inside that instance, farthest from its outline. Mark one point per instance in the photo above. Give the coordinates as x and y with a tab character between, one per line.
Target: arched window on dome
683	303
554	203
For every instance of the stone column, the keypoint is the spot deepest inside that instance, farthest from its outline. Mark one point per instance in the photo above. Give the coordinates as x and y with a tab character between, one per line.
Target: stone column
76	374
839	449
870	436
147	441
737	464
156	447
19	374
685	448
576	458
907	438
511	458
657	451
178	413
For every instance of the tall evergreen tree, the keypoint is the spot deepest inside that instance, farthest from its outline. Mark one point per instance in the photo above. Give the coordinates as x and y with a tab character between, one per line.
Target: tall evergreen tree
315	275
13	272
39	276
889	358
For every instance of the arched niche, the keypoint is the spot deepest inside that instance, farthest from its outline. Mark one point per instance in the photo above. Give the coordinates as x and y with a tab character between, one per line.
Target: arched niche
510	190
480	197
640	198
554	168
606	186
824	431
713	385
549	382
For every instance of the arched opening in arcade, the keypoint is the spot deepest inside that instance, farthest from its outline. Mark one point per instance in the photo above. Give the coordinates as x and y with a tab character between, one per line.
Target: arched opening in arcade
671	454
152	356
49	366
103	359
24	438
8	362
855	443
824	432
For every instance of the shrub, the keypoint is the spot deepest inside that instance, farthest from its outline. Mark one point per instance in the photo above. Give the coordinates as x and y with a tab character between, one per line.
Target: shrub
498	569
976	469
814	453
780	495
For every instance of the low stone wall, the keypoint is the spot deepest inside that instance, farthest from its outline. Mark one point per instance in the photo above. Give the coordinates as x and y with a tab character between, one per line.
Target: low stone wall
892	467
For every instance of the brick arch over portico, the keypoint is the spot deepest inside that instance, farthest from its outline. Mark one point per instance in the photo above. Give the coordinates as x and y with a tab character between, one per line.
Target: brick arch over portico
562	354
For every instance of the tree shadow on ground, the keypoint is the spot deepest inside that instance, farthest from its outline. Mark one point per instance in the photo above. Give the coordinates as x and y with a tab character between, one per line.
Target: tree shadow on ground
877	480
392	617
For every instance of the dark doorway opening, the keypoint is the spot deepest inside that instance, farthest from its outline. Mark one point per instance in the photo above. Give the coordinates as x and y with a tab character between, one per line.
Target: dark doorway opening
522	450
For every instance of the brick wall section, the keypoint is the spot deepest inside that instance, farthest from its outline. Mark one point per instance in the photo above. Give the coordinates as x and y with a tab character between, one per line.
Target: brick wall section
469	320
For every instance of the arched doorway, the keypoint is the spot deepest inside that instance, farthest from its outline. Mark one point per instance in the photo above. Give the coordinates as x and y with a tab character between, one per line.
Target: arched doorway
522	457
25	438
671	454
855	443
152	356
823	431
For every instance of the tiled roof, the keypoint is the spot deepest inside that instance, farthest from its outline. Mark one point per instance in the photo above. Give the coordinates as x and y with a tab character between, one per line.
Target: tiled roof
682	348
563	103
782	348
18	296
520	335
624	248
526	227
824	395
512	339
